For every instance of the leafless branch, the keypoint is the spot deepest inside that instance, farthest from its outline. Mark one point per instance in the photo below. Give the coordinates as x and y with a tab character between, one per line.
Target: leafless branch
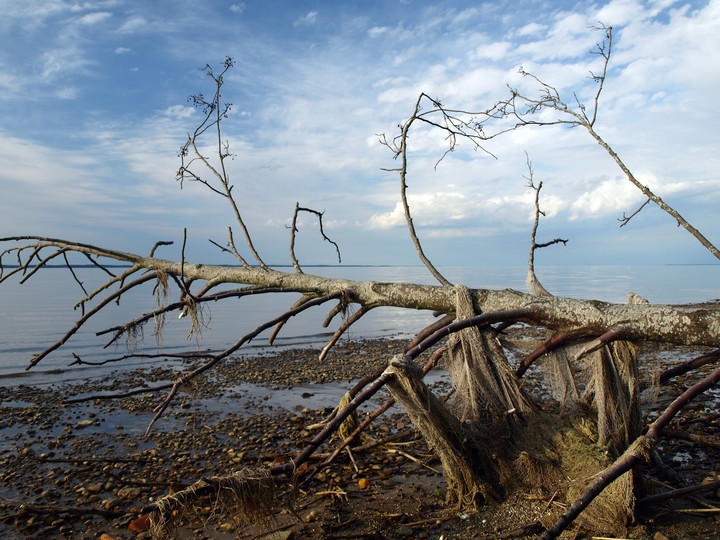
294	229
158	244
82	320
633	456
80	362
695	363
533	284
613	334
455	124
341	330
119	331
553	343
626	219
215	112
213	359
523	110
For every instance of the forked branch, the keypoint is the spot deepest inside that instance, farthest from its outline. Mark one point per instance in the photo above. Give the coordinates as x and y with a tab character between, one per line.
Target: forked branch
294	229
190	154
455	124
533	284
523	110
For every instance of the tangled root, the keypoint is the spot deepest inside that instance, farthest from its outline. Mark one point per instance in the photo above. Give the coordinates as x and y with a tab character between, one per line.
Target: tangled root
246	495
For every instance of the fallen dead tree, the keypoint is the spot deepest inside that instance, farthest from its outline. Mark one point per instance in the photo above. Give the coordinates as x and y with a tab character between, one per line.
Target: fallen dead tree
491	436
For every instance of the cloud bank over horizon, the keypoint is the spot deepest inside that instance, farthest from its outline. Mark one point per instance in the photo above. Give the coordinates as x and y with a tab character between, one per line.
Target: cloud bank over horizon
94	108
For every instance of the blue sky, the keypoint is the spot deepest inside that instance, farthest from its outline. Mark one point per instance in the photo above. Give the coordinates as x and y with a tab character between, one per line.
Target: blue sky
93	109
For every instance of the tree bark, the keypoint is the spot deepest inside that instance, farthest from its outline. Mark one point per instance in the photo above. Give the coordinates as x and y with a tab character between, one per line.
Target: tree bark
680	325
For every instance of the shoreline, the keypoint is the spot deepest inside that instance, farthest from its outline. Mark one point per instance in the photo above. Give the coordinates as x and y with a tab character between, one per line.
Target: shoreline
81	470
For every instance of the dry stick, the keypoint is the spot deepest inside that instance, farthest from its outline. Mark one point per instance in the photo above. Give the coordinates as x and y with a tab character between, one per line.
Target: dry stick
436	520
21	266
389	403
214	359
614	334
340	331
650	499
339	308
385	440
219	112
695	498
654	198
552	101
403	194
526	530
43	242
72	510
677	434
704	418
632	456
82	320
533	284
120	279
234	293
413	459
294	229
74	275
434	327
484	318
553	343
42	263
279	325
688	366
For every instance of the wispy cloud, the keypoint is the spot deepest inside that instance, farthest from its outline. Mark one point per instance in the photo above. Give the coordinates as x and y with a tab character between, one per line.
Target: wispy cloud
307	20
312	89
133	25
94	18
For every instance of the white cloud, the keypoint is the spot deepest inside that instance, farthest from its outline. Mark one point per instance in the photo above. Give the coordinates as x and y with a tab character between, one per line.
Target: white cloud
465	15
609	197
531	29
63	62
68	92
94	18
179	112
317	105
492	51
61	184
307	20
427	208
133	25
621	12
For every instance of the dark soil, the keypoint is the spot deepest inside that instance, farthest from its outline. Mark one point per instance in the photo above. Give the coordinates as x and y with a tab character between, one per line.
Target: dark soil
83	470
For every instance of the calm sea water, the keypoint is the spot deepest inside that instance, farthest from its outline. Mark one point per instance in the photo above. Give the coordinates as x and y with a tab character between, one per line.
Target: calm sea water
38	313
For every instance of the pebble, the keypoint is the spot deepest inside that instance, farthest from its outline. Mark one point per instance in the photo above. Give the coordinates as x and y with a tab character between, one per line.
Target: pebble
188	443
